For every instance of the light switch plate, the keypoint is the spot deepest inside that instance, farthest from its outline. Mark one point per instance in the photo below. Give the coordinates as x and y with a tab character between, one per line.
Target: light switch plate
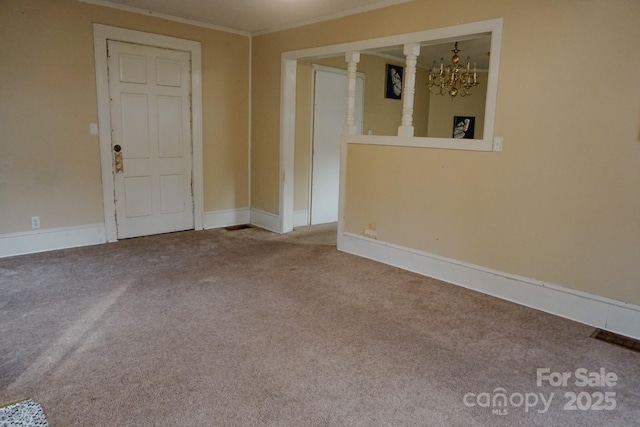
497	143
93	128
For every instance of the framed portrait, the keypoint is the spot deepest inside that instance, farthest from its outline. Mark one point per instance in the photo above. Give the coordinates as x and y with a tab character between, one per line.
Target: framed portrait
393	88
463	127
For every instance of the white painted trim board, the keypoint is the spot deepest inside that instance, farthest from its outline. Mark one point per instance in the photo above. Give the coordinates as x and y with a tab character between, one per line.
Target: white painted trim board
593	310
226	218
300	218
49	239
267	220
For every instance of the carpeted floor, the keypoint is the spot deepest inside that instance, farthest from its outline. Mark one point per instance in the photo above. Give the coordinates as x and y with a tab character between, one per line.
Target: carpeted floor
247	328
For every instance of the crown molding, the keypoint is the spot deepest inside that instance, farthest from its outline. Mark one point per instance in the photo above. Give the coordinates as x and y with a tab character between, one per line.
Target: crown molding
354	11
379	5
112	5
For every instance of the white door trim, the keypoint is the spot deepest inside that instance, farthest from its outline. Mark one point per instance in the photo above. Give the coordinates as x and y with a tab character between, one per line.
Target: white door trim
102	33
287	142
288	96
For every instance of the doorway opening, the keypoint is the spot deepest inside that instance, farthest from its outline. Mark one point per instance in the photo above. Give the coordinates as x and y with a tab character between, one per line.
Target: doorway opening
329	112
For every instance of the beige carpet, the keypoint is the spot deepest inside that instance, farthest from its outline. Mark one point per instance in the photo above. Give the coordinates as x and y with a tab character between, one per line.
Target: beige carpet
246	328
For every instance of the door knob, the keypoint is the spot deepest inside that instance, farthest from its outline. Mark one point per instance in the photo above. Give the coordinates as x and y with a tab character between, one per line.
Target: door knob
117	148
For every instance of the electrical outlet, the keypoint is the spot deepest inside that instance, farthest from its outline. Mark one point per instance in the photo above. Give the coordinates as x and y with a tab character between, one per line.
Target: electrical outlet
372	234
35	222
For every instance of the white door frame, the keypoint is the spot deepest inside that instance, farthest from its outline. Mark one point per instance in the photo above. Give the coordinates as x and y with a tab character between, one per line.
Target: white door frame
288	99
102	33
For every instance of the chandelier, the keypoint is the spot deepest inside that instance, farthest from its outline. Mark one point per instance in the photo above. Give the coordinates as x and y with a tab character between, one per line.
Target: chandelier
454	79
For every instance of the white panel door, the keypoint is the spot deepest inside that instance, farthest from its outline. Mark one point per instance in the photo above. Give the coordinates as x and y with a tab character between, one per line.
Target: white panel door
151	129
329	118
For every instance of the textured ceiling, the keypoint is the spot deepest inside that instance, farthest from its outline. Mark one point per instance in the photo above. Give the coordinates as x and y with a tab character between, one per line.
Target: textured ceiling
253	16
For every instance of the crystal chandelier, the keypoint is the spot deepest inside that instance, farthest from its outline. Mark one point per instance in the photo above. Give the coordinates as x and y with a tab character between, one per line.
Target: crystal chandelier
454	79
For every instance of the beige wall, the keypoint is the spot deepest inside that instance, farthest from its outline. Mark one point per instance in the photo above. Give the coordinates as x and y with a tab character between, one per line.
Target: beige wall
49	164
381	116
560	203
443	109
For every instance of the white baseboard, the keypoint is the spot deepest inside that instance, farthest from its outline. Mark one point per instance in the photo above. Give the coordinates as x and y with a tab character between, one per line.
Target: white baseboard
300	218
92	234
593	310
267	220
49	239
226	218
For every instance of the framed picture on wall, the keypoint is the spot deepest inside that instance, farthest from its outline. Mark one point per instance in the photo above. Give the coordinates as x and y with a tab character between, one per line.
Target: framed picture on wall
463	127
394	82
